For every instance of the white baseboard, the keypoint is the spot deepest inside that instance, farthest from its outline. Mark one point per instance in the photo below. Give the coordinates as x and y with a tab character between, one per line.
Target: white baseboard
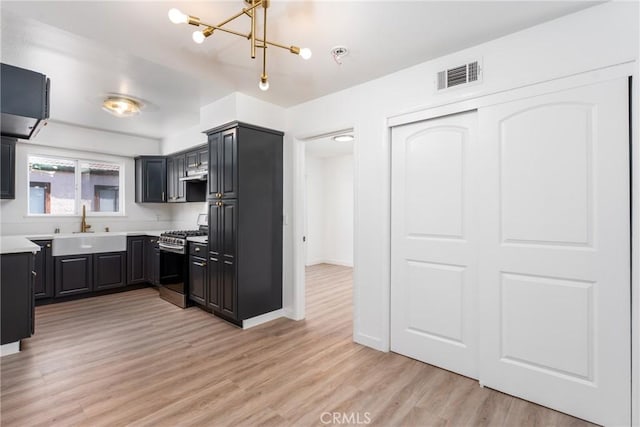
369	341
9	348
330	261
263	318
292	314
338	262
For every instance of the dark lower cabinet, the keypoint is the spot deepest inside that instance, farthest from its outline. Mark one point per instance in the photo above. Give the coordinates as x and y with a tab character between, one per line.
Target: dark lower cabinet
43	284
152	261
213	284
198	279
109	270
16	297
228	289
222	254
136	260
74	274
8	168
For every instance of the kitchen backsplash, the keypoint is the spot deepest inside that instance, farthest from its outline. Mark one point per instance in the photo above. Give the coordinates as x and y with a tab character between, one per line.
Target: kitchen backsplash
154	217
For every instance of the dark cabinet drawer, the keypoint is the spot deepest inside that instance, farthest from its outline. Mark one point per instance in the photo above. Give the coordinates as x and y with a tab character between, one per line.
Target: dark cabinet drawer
198	249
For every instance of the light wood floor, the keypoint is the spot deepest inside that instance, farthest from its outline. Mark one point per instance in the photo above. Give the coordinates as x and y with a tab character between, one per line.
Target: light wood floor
133	359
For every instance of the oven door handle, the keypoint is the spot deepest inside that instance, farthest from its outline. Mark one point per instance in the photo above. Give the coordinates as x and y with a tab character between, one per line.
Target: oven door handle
168	247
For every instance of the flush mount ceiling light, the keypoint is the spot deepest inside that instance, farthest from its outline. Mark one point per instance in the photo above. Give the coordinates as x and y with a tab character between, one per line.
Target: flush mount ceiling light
121	106
199	36
343	138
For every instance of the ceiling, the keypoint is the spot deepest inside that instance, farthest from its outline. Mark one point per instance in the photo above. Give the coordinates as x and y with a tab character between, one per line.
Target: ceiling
326	147
91	48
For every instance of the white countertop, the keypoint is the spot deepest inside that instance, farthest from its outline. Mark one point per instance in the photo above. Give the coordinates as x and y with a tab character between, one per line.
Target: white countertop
198	239
17	244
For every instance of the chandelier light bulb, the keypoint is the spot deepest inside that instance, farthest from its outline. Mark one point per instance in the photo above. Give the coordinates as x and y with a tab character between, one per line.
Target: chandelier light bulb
305	53
177	17
198	37
263	85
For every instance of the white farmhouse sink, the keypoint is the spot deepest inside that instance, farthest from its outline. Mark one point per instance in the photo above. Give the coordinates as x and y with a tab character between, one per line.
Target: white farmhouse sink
88	243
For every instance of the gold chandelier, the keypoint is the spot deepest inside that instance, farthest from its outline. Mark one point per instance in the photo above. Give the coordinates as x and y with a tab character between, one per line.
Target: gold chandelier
199	36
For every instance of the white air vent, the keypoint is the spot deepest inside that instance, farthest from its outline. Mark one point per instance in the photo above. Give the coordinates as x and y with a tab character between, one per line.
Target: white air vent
462	74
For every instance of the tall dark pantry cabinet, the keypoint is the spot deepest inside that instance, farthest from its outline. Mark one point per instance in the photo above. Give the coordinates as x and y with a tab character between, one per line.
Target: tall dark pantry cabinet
245	221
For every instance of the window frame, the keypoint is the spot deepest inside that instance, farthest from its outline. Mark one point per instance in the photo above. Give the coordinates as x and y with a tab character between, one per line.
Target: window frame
78	187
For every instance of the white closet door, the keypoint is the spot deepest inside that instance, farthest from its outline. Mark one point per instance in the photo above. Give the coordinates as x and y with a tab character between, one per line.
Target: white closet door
554	255
433	316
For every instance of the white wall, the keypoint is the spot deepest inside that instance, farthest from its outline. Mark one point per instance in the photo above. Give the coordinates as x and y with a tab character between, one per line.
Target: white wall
338	210
67	136
329	191
13	213
315	210
591	39
190	137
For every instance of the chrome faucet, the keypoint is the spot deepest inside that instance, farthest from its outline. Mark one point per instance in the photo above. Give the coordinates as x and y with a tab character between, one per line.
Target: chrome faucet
83	225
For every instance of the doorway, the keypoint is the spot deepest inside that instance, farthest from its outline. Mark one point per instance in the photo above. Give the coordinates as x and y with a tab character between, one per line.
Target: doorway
328	220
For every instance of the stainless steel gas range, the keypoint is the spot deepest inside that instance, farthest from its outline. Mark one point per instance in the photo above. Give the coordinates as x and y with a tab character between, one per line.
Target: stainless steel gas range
174	271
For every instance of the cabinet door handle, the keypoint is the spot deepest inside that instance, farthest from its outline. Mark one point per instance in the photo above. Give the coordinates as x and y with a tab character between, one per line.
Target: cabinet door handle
197	249
199	264
48	245
193	165
34	273
214	259
163	198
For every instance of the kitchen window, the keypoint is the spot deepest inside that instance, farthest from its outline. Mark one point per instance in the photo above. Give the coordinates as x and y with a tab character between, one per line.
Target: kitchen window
59	186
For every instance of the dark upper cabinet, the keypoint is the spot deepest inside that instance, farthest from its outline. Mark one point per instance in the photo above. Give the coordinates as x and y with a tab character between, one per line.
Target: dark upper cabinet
198	158
109	270
228	164
151	179
74	274
163	179
203	157
176	170
245	221
24	101
16	297
192	160
198	279
43	283
136	259
8	169
171	185
223	165
152	260
215	190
